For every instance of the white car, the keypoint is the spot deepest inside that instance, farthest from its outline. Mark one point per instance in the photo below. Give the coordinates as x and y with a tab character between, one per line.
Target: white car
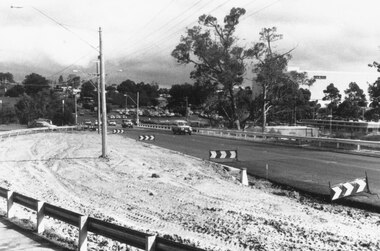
112	123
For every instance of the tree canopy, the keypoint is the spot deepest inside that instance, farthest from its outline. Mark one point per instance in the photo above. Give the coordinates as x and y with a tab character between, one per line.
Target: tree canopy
34	83
217	58
15	91
333	95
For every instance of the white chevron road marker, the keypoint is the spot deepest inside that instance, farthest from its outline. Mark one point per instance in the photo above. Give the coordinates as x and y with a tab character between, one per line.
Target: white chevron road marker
233	155
213	154
362	184
223	154
337	191
349	188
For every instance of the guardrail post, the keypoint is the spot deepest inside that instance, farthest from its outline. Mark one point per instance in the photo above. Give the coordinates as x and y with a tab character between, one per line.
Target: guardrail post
244	178
10	209
150	243
337	144
40	217
82	244
358	147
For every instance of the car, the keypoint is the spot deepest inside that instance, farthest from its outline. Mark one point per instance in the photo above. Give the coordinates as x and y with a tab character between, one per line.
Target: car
42	123
181	127
127	123
88	122
111	123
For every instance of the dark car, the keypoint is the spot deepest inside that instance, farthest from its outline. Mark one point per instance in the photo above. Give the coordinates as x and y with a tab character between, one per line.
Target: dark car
181	127
127	123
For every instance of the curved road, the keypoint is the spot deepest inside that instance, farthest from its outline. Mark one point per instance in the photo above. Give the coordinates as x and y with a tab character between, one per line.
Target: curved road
305	169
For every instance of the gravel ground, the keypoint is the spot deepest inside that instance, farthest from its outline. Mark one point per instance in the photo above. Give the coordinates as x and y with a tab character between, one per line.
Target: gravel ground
160	191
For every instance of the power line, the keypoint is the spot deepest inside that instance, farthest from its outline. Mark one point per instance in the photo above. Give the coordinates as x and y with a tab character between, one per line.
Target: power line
71	65
259	10
64	27
164	25
174	33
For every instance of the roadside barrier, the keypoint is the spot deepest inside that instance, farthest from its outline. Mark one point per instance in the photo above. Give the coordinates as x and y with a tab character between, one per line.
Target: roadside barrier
359	146
87	224
14	133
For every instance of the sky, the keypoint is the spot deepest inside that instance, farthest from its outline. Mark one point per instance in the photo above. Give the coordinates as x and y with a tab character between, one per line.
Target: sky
336	39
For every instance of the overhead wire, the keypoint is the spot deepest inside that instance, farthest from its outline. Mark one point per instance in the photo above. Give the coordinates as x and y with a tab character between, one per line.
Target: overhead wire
165	25
145	50
64	27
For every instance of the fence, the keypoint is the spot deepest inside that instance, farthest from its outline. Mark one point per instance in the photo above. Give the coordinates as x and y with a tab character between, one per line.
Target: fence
342	144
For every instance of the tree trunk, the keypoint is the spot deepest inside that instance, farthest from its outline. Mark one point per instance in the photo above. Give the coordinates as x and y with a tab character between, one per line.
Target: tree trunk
235	118
264	108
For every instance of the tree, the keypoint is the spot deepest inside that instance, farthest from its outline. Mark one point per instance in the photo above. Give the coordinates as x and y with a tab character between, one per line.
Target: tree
333	95
212	49
6	77
15	91
88	89
60	79
44	104
34	83
353	103
270	70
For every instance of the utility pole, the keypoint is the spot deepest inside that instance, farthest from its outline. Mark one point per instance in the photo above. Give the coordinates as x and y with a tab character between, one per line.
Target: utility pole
186	111
98	90
137	109
102	84
63	110
76	108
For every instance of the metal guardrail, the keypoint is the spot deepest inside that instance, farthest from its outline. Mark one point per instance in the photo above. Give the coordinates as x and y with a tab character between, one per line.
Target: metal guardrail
13	133
344	144
86	224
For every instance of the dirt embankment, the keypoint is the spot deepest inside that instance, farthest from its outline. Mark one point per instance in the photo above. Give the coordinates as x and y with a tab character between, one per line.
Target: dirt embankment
160	191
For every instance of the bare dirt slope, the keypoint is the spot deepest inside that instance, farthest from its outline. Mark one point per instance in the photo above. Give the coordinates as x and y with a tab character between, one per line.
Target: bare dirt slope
157	190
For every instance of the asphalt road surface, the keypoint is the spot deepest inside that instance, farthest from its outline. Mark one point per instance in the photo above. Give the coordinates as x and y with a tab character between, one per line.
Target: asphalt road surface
305	169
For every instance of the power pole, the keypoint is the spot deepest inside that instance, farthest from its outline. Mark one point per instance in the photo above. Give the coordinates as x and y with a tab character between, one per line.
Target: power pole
76	108
137	110
186	111
104	110
98	90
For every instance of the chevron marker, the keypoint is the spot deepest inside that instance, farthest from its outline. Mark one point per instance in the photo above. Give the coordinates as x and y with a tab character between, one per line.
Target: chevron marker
213	154
362	184
349	188
337	191
233	155
223	154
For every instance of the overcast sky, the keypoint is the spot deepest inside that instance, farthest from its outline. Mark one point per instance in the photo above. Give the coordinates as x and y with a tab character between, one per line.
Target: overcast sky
334	38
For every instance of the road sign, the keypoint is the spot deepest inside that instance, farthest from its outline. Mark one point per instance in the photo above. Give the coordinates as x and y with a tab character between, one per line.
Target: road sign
223	154
146	137
349	188
319	77
118	131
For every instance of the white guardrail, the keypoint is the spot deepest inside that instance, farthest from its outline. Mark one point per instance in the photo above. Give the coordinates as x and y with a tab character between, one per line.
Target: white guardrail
12	133
85	224
343	144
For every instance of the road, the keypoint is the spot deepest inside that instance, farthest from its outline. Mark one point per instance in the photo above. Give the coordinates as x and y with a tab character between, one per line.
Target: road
305	169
